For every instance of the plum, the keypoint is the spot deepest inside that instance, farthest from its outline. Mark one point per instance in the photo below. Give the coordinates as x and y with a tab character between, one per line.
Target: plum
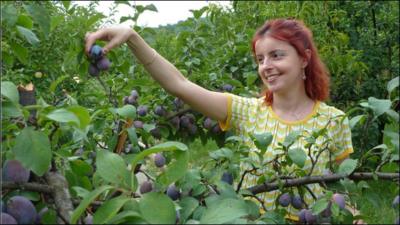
173	192
138	124
302	216
22	210
88	219
192	129
131	100
142	110
227	87
327	211
339	200
185	122
93	70
216	129
227	177
285	199
7	219
159	160
178	103
207	123
135	94
310	218
160	111
175	122
297	203
156	132
103	63
14	171
96	52
145	187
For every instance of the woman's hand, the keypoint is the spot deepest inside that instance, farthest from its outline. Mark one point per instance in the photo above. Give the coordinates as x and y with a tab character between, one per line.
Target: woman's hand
115	36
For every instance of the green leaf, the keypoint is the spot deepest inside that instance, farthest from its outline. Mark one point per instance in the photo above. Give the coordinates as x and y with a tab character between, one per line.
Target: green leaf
251	77
176	169
347	166
290	139
165	213
221	153
66	4
167	146
319	206
64	116
82	114
20	52
9	15
151	7
353	121
86	202
10	91
10	110
25	21
111	167
379	106
394	83
224	211
262	141
40	14
298	156
127	111
81	168
28	35
54	84
55	21
109	209
32	149
188	205
132	135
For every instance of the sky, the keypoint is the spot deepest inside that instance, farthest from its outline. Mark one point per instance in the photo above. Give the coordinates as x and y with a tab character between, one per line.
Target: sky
169	12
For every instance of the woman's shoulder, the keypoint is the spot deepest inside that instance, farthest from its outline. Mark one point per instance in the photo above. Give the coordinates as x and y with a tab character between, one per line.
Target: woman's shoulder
329	110
249	100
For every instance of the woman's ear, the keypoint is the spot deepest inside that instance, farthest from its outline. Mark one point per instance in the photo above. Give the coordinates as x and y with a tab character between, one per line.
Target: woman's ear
307	58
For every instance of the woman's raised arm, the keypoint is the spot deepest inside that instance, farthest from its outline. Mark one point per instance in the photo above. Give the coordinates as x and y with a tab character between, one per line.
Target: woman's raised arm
210	103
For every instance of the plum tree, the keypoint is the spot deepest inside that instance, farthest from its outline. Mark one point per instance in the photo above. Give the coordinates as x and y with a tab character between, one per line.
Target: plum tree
6	218
297	203
96	52
14	171
22	209
103	63
285	199
339	200
173	192
227	177
146	186
159	160
142	110
93	70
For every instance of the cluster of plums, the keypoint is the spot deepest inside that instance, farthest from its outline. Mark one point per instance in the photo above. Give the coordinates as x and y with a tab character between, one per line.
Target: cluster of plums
18	209
98	61
305	215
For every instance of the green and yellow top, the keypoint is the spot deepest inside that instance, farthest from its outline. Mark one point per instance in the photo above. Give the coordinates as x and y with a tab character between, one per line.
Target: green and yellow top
252	116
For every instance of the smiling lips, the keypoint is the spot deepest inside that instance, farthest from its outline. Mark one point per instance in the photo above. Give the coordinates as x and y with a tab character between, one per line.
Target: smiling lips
272	77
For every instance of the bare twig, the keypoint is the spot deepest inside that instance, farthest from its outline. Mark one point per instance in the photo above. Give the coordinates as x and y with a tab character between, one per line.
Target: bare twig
42	188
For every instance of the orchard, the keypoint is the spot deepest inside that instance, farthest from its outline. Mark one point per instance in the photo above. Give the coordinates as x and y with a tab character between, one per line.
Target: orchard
92	139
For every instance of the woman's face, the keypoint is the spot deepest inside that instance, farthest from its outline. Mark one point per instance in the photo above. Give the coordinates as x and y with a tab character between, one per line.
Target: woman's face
279	65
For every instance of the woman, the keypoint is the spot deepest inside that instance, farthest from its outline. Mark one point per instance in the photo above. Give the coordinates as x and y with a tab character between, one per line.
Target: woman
297	84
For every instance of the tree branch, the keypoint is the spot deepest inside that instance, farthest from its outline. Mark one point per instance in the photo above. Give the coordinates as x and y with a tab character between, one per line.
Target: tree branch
42	188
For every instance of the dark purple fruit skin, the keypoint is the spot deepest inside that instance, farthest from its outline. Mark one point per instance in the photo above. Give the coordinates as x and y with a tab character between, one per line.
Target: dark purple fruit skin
297	203
178	103
131	100
13	171
88	219
302	216
227	177
145	187
159	160
285	199
227	87
93	70
176	122
142	110
159	110
339	200
172	192
22	210
7	219
96	52
134	94
192	129
216	129
327	211
138	124
208	122
310	218
395	202
156	132
103	63
185	122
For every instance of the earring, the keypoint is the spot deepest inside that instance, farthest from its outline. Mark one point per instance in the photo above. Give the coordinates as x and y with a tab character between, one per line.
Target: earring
304	76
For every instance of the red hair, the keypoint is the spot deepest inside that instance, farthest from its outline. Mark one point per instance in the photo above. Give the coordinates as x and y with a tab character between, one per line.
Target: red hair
300	37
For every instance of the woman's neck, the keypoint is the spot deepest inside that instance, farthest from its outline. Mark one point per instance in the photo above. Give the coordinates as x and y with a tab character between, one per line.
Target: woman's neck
292	106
